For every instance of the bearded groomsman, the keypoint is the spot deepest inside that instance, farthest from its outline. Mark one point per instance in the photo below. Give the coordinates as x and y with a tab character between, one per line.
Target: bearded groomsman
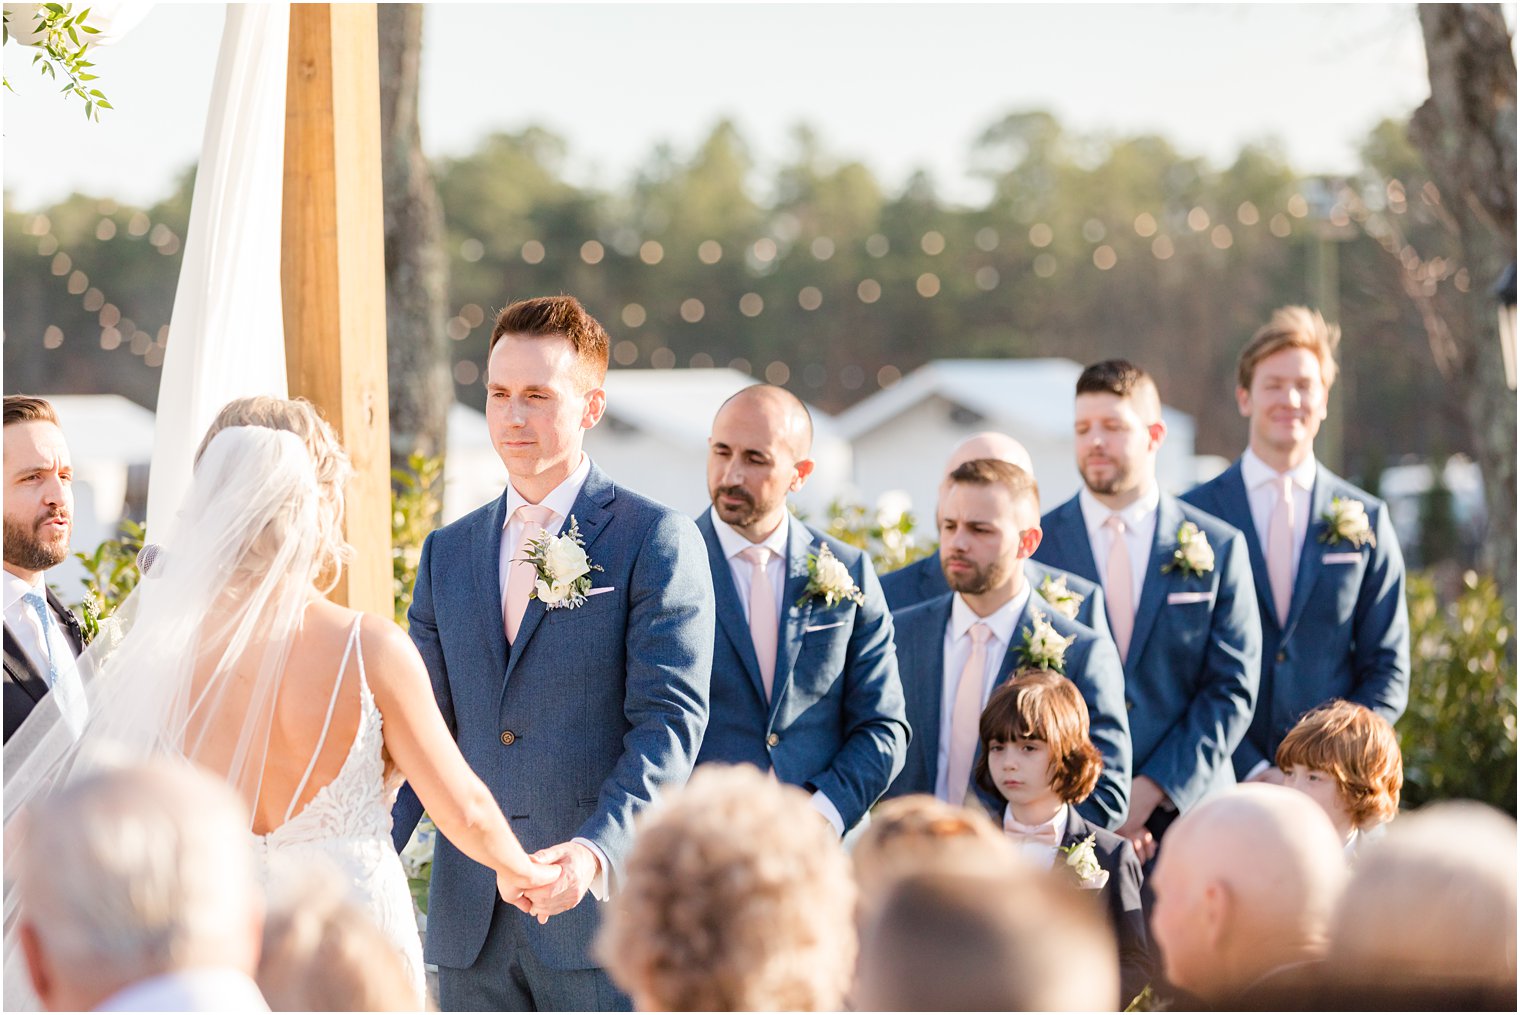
954	649
804	677
1329	574
42	638
1177	586
1070	595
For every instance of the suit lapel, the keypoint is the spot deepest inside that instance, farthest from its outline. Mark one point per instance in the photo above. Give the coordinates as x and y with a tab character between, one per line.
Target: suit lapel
1076	828
1309	555
799	543
1237	506
23	673
730	608
1153	587
488	595
930	690
1071	550
66	620
591	515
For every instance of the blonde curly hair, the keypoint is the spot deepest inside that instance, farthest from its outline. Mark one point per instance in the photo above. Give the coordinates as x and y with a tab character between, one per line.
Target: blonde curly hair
737	897
330	464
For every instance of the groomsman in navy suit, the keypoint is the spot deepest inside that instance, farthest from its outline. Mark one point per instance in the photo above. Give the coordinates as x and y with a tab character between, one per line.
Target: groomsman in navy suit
1329	574
924	579
804	675
953	650
1177	585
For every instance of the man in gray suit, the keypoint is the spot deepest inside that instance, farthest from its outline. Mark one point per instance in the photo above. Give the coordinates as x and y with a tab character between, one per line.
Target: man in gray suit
576	684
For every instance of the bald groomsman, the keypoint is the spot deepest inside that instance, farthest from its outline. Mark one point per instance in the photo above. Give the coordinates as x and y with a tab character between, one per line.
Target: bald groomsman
1329	574
1177	585
804	677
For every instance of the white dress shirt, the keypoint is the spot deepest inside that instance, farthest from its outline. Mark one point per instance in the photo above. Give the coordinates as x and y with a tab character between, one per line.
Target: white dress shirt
559	500
957	649
1260	481
1041	855
1139	535
189	990
732	543
22	621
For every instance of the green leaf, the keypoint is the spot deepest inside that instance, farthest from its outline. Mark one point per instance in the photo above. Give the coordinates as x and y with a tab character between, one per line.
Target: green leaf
96	92
55	8
87	28
103	104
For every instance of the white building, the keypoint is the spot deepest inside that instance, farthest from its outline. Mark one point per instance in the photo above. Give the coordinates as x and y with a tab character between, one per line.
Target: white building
902	435
653	439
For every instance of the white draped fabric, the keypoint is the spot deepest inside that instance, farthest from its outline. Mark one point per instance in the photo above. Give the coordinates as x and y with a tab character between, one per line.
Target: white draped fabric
226	334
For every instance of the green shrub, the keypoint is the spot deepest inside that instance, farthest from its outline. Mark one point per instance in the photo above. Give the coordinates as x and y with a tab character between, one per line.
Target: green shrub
416	508
889	540
1458	734
111	573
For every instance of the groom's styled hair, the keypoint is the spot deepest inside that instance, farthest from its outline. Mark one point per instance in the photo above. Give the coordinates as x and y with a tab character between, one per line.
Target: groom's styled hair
995	472
563	317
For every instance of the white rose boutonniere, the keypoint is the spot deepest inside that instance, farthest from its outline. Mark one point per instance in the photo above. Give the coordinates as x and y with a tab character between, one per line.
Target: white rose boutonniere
1347	520
1193	556
1061	599
1082	861
1044	648
564	570
830	579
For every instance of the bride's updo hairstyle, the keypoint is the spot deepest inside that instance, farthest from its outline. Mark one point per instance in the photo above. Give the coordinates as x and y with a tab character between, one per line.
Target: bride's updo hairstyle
330	465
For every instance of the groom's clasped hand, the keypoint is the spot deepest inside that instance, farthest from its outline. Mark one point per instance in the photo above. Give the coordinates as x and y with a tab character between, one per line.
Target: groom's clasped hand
556	879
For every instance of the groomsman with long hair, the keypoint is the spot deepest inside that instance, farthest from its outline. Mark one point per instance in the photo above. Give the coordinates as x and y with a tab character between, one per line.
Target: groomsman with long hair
1328	572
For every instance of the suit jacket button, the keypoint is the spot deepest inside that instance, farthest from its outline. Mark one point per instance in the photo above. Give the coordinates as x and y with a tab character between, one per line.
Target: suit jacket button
1130	705
772	740
1282	657
508	738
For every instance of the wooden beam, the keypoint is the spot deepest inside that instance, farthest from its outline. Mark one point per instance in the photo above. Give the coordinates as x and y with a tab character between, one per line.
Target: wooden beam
333	267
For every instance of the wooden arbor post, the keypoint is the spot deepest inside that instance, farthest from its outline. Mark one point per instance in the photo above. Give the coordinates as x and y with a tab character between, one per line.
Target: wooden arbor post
333	267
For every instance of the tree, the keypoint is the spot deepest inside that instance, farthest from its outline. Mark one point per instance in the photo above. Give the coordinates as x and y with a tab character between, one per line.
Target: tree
416	268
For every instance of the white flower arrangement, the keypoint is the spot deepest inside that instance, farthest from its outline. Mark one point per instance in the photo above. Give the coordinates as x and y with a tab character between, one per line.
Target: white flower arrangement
1082	859
1194	556
830	579
1347	520
1044	648
564	570
1061	599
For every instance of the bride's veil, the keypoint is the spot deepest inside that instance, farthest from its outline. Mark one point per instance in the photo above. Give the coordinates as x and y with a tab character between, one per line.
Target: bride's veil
192	663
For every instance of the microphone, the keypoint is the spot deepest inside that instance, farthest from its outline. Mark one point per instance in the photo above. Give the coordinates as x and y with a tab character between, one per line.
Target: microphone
147	557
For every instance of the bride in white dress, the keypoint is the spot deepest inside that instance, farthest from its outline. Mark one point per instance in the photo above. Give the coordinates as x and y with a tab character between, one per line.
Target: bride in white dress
233	659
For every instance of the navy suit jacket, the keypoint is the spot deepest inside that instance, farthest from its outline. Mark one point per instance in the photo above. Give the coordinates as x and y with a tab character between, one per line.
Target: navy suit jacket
583	720
1347	633
1194	661
1120	899
1092	663
925	578
835	722
24	686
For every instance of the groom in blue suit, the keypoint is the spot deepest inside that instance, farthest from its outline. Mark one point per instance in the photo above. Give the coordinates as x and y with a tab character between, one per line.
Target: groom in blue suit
577	716
1329	574
804	679
1074	596
1177	584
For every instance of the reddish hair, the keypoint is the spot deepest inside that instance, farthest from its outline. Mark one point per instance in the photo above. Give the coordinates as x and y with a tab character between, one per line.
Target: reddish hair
558	317
1291	328
1043	705
1358	749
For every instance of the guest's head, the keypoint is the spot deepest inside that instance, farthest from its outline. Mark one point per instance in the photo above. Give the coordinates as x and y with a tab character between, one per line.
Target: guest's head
1431	908
989	444
737	897
321	952
1035	750
1119	429
1346	757
1245	884
952	940
756	455
329	460
133	873
919	833
989	524
544	376
1283	380
39	488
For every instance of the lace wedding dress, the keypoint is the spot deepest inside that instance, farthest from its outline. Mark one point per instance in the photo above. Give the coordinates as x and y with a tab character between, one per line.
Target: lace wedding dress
348	824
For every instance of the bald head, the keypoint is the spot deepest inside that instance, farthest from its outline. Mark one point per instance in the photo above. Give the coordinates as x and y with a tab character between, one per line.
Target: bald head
990	444
1244	884
757	454
781	411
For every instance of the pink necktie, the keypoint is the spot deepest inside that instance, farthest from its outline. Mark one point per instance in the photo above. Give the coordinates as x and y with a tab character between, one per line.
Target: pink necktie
1118	586
1032	835
523	576
1280	547
763	624
966	717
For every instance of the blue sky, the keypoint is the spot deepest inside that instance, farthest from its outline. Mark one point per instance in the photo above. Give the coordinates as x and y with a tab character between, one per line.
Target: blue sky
899	86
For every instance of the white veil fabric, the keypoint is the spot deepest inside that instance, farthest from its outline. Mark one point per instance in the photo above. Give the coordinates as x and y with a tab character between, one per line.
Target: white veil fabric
197	669
227	330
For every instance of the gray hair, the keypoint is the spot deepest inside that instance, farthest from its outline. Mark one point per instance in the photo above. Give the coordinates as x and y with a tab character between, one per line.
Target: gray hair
135	871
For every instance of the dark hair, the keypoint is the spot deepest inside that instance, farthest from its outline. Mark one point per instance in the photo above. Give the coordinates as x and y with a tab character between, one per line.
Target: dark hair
29	409
1119	377
563	317
994	471
1043	705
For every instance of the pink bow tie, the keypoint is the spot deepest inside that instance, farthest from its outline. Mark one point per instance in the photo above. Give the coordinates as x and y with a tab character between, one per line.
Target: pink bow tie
1031	835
